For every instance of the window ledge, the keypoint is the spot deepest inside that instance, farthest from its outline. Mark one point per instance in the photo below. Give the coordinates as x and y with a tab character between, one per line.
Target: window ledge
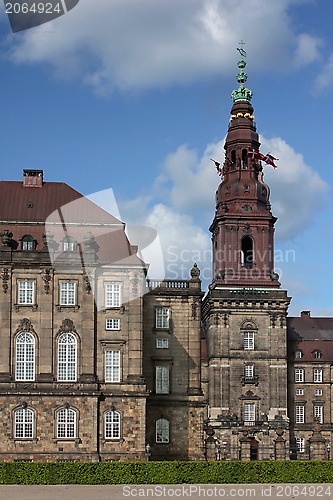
71	440
33	307
121	309
62	307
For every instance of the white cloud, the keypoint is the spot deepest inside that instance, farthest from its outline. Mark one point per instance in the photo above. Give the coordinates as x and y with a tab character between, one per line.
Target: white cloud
126	44
189	183
297	190
325	77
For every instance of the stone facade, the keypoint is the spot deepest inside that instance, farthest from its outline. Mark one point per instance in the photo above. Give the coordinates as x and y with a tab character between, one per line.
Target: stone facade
97	363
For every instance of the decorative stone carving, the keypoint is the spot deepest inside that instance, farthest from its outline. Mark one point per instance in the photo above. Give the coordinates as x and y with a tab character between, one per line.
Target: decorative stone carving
5	279
195	272
194	309
87	283
247	229
6	238
25	326
47	277
67	326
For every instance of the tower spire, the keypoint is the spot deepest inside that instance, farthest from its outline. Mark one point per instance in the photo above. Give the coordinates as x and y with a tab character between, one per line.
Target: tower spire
243	226
241	93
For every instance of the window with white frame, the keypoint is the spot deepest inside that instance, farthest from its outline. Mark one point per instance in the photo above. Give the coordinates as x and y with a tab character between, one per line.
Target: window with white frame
69	244
299	392
28	243
67	357
298	354
66	423
112	366
318	392
25	357
162	379
317	354
112	294
299	375
162	317
67	293
300	444
162	343
249	412
112	424
23	423
318	413
248	371
300	414
317	375
248	340
112	324
162	427
26	292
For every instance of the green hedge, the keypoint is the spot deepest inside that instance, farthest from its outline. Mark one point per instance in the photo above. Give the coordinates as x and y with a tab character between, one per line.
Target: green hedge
232	472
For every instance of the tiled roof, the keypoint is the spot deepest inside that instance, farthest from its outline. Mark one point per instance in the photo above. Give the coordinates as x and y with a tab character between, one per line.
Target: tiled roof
308	328
60	209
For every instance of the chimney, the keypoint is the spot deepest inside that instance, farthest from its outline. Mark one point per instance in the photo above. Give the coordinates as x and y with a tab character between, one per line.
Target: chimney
33	178
305	313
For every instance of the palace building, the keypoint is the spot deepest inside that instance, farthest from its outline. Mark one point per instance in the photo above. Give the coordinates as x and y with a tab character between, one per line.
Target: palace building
100	364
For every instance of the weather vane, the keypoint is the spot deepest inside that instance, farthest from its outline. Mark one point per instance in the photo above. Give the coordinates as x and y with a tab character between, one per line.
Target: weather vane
240	49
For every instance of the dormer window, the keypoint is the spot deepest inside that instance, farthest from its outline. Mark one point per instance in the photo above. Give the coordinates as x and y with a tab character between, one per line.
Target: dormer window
28	243
69	244
317	354
298	354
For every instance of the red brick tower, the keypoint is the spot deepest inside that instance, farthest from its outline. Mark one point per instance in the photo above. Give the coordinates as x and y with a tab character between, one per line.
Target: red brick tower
243	226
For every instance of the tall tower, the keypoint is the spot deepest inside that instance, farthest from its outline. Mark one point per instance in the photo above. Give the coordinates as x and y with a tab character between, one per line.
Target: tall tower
245	310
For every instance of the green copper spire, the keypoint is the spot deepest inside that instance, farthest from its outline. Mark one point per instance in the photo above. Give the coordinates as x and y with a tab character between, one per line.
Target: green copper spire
242	93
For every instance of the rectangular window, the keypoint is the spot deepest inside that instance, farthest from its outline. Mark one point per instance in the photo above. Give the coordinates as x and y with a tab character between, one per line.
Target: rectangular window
318	413
249	412
317	375
162	343
300	414
162	379
67	293
318	392
112	295
300	444
112	366
162	317
162	431
248	340
112	324
299	392
26	289
249	371
299	375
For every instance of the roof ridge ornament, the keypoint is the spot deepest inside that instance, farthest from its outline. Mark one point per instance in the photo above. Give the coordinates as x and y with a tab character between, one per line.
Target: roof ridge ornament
241	93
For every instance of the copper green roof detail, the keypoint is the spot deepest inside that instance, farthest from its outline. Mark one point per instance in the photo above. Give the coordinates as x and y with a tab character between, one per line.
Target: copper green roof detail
241	93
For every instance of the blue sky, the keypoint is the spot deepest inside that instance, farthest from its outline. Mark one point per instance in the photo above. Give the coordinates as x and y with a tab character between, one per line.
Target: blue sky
135	96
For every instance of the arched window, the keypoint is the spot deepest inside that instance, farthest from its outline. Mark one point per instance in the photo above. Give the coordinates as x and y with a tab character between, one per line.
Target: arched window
298	354
112	424
67	357
66	423
247	252
28	243
244	158
25	357
233	158
23	423
317	354
69	244
162	430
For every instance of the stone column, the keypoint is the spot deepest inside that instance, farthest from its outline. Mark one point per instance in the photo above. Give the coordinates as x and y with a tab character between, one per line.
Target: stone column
317	444
280	445
245	447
